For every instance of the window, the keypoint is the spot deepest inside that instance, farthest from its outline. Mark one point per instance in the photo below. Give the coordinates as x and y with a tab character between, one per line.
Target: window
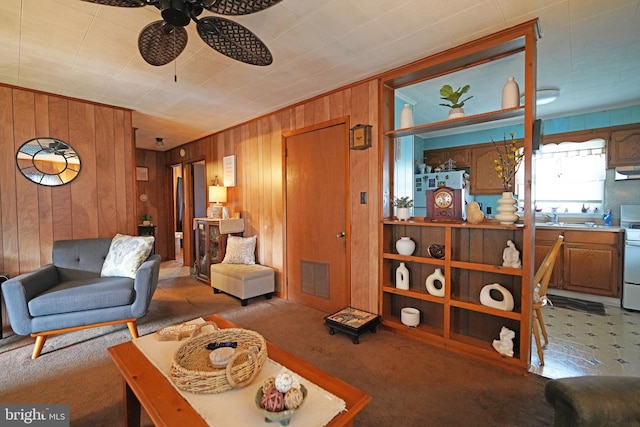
569	176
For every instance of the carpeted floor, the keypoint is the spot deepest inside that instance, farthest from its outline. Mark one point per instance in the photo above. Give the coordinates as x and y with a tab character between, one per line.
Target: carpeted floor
412	384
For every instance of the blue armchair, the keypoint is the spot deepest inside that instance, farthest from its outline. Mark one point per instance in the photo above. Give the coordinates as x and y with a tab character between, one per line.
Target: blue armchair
70	294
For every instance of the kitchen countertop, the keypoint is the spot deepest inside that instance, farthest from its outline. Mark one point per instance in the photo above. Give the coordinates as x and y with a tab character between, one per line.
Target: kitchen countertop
581	227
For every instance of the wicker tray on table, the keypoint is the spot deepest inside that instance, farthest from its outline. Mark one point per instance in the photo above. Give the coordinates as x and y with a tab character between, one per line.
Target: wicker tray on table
191	369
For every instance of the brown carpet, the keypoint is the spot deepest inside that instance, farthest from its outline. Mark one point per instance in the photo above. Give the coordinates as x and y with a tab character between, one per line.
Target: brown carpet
412	384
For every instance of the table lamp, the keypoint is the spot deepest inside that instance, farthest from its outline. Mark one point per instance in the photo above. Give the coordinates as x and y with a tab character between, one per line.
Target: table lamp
217	196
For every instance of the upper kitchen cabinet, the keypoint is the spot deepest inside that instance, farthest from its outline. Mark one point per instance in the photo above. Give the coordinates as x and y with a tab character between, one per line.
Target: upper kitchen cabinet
460	155
484	179
624	148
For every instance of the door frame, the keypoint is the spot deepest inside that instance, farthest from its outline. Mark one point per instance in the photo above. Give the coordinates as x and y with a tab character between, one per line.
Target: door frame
287	134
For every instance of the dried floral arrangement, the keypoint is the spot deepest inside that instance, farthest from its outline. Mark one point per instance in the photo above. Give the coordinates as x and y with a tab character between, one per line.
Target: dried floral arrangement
508	161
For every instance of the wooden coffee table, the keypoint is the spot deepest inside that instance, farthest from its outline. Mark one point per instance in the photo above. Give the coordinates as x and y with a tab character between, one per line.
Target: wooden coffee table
145	386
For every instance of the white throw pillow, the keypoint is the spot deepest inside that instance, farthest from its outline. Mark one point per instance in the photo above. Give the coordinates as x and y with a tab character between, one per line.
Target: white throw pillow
240	250
126	255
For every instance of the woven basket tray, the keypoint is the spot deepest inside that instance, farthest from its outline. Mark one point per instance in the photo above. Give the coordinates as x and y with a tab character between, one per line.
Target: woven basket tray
191	369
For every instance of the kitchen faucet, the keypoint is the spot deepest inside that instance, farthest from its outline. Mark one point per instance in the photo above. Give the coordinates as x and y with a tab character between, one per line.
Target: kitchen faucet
554	217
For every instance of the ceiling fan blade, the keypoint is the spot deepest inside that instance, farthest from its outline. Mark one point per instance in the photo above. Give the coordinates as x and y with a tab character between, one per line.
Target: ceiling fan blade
160	43
233	40
237	7
120	3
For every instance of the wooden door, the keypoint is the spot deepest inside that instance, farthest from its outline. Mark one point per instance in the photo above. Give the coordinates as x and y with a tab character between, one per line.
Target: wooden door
316	180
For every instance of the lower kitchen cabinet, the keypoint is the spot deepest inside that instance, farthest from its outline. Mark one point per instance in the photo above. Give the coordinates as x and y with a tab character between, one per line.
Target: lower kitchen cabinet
590	261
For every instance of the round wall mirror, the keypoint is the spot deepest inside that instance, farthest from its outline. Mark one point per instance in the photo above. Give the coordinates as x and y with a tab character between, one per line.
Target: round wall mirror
48	161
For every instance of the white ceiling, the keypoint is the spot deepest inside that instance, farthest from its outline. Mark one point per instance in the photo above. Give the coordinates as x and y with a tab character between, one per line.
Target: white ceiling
590	50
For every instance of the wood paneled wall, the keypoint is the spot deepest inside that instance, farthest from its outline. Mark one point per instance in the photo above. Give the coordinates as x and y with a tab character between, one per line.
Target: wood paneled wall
100	202
259	194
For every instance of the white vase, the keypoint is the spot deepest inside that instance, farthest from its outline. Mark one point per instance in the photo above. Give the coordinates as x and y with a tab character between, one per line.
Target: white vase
405	246
402	277
507	209
506	304
454	113
403	214
430	283
406	117
510	94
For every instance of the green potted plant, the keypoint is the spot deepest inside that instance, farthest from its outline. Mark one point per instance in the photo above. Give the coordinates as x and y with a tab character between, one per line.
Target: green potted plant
453	97
146	219
403	204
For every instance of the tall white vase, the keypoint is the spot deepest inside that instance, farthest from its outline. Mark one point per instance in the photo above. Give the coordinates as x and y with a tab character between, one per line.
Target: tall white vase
402	277
510	94
507	209
406	117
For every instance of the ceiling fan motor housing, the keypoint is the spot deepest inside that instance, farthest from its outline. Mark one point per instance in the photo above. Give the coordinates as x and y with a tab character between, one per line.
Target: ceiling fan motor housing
179	12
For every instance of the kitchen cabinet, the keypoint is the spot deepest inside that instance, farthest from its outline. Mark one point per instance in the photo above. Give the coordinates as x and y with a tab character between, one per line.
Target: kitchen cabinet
461	155
211	242
544	241
472	254
590	261
484	179
624	148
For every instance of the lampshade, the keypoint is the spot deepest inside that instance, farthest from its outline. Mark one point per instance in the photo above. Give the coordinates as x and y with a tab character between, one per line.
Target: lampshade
217	194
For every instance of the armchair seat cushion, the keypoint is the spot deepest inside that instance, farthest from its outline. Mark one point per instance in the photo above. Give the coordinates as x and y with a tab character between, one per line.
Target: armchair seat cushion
83	295
595	401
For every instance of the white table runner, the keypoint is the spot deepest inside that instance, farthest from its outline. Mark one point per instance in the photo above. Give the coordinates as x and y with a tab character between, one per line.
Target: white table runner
237	407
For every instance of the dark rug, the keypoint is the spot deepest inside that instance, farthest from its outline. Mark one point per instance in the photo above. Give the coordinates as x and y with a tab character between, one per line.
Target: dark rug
577	304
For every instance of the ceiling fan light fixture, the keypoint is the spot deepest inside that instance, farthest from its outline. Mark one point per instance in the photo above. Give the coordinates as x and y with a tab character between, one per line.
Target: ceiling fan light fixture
161	42
545	96
176	12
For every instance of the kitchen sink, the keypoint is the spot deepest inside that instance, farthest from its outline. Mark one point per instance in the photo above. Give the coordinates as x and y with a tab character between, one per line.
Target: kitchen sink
567	225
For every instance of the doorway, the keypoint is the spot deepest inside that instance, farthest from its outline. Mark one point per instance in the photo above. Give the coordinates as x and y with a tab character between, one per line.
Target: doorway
316	229
189	201
178	212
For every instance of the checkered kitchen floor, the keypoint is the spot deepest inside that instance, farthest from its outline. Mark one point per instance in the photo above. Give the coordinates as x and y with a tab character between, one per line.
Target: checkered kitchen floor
589	344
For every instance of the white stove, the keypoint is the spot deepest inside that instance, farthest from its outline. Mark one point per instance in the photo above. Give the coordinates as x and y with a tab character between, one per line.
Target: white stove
630	221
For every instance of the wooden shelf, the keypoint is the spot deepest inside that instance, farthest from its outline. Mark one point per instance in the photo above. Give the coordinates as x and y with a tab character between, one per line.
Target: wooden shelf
484	309
472	252
488	224
411	258
413	293
487	268
456	123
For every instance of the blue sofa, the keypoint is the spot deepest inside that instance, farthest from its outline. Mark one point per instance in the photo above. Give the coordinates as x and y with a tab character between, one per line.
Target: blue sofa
69	294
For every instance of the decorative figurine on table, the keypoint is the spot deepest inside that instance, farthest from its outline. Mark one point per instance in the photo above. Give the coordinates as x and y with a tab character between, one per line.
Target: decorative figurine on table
608	218
504	345
511	256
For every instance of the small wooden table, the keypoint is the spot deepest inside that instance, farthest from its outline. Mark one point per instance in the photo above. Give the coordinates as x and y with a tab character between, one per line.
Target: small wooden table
146	386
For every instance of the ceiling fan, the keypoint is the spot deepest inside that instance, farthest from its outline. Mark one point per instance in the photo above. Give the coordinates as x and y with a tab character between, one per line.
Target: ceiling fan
161	42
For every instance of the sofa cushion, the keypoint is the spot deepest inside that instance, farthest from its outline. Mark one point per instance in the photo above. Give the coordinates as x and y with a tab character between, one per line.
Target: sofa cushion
240	250
83	295
126	255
